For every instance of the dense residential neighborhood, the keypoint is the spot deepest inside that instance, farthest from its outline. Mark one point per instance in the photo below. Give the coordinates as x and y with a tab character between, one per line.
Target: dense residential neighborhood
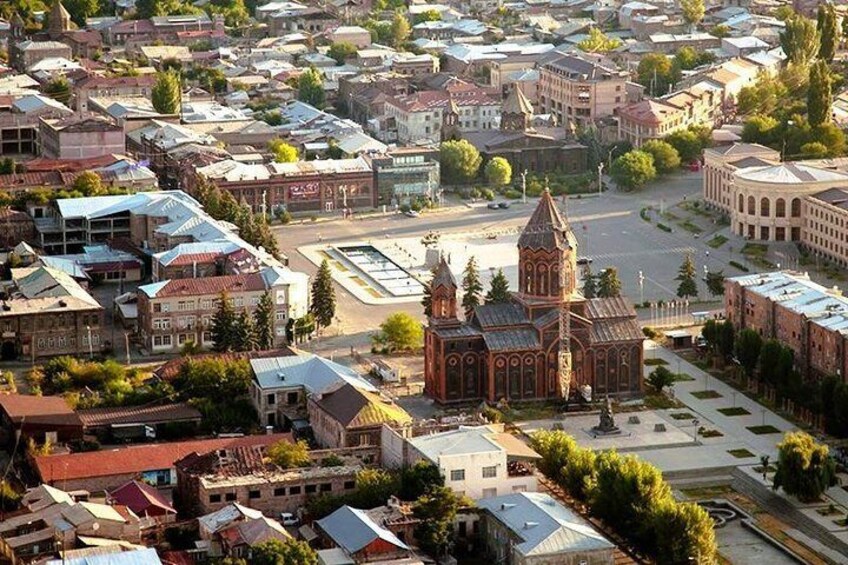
332	282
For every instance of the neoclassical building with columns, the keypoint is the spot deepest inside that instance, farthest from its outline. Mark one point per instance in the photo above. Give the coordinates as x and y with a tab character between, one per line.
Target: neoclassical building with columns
509	351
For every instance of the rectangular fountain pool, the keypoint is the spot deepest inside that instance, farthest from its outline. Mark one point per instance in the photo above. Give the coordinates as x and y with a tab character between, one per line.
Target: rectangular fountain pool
380	271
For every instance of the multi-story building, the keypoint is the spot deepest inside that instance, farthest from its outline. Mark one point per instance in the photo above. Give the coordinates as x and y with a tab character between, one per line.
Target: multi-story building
721	163
96	86
575	89
670	43
23	54
423	117
415	65
19	122
535	529
405	172
825	224
46	312
303	186
209	482
174	312
80	137
789	307
476	461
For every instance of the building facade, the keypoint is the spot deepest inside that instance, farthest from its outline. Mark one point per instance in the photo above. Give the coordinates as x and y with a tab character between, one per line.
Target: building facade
577	90
80	138
510	351
720	164
825	226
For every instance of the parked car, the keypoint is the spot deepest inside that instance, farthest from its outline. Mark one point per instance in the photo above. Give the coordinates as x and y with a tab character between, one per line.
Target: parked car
584	260
289	519
411	214
504	205
493	206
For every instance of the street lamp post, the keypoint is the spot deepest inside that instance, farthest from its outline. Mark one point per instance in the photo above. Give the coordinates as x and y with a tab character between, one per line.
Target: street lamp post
90	345
641	288
600	178
524	187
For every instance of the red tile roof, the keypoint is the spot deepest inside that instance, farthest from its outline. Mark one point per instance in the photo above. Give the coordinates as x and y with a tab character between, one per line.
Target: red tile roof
179	411
142	499
27	180
38	409
172	368
190	258
212	285
42	164
138	458
97	81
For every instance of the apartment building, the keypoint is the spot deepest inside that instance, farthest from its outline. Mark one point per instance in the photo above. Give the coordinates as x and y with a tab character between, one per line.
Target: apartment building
575	89
424	117
45	313
172	313
80	137
825	224
789	307
96	86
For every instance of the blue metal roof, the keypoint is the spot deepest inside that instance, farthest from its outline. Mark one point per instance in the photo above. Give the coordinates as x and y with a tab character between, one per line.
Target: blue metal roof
145	556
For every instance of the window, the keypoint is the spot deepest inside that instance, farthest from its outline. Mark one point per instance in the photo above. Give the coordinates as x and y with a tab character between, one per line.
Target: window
158	340
272	399
310	489
490	472
162	324
254	494
458	475
326	487
280	491
213	498
490	492
157	307
349	485
294	490
230	496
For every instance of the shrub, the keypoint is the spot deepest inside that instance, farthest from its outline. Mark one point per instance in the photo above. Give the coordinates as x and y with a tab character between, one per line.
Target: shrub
739	266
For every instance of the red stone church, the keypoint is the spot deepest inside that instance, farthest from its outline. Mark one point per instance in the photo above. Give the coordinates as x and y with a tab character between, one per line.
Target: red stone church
510	351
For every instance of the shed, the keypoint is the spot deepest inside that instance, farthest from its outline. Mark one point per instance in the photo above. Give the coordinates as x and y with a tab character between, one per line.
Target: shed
679	339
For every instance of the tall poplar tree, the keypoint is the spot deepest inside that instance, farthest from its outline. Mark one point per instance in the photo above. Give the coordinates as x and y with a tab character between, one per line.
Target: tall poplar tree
686	275
224	324
166	94
828	32
263	319
819	94
245	332
471	287
609	285
323	296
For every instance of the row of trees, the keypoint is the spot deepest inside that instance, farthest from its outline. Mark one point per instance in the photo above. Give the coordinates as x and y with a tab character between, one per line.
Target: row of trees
637	167
221	205
604	285
241	331
658	73
460	164
472	290
630	496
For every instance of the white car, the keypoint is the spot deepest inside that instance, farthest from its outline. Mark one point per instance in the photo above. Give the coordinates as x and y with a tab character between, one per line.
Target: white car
289	519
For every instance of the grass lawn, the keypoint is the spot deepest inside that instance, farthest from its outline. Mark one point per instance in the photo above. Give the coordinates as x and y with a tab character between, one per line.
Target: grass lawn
655	361
758	249
740	453
717	241
734	411
700	493
683	377
763	430
704	432
660	402
690	227
682	416
706	394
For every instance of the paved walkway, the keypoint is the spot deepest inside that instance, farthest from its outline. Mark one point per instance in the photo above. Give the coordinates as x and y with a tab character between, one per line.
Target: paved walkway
735	427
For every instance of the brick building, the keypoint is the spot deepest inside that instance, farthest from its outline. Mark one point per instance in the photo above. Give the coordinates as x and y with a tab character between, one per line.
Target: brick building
174	312
45	312
789	307
80	138
96	86
510	351
304	186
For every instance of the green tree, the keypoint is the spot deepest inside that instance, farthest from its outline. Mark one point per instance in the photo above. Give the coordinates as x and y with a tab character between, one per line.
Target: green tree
831	136
235	12
689	144
556	448
224	330
800	40
747	349
373	488
688	58
341	51
310	88
283	152
400	30
804	467
693	11
245	331
498	172
764	97
418	478
460	161
609	285
665	156
578	474
660	378
287	455
819	95
401	332
88	183
167	93
498	289
436	511
323	296
764	130
427	298
828	29
720	31
597	42
814	150
82	9
657	73
145	9
59	89
428	16
263	321
634	169
683	530
715	282
590	285
688	286
472	288
289	552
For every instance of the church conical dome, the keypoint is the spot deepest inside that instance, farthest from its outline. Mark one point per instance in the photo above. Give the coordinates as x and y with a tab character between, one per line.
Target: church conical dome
547	229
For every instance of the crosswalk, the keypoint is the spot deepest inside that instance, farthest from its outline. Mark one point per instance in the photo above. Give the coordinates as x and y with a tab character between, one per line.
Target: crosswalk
644	252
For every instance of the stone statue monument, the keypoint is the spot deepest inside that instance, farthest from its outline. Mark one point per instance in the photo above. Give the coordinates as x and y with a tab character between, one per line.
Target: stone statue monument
606	425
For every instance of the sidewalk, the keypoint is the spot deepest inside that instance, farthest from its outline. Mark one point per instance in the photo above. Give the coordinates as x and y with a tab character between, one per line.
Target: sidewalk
733	427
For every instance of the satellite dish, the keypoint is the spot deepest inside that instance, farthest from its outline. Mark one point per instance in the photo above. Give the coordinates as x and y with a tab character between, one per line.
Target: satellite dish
95	526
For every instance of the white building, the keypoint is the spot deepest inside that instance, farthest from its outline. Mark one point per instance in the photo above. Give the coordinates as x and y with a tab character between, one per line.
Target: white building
478	461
